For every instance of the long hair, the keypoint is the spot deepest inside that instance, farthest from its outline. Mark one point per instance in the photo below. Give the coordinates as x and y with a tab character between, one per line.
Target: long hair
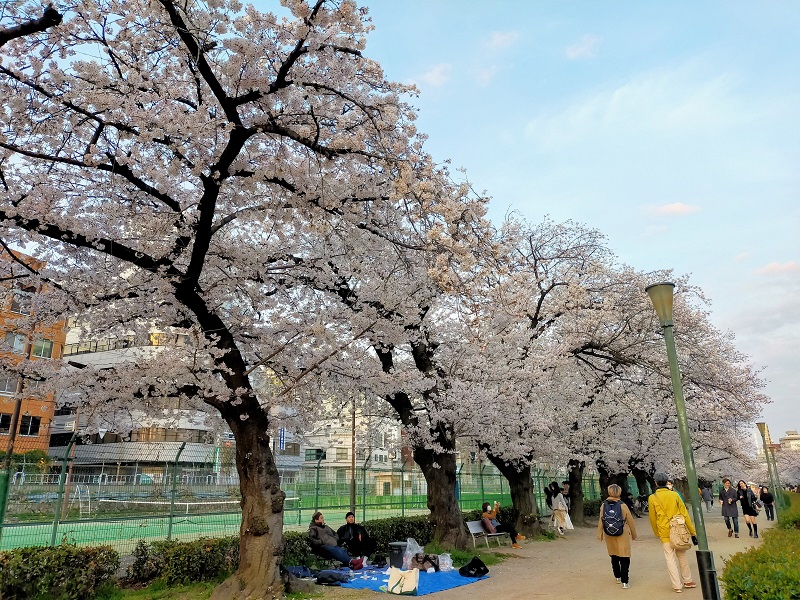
486	507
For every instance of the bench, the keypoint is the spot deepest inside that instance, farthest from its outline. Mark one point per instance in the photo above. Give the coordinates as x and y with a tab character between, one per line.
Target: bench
476	530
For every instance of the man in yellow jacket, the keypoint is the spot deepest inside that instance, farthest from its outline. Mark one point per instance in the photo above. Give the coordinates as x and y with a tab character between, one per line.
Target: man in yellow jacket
663	505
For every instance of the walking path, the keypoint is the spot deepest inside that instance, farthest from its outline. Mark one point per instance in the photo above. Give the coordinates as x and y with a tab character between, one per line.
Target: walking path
578	567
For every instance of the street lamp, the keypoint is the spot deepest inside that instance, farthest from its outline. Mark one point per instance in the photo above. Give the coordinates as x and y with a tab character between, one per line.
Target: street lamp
661	296
771	472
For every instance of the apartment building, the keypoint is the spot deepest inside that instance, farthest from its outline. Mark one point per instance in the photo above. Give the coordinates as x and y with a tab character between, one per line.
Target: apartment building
22	338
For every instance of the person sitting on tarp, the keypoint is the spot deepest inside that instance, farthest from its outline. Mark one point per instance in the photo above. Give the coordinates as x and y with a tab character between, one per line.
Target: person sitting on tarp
325	543
355	538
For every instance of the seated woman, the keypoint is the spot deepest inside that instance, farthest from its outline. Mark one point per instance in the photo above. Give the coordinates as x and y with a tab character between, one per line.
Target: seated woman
324	543
492	525
355	538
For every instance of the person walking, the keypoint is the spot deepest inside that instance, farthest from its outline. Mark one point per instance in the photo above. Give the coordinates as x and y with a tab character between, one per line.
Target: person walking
708	497
769	503
560	510
665	504
615	514
730	511
746	498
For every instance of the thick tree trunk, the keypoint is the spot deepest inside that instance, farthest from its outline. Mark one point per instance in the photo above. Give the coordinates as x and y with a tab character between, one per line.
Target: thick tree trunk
576	492
261	532
520	484
641	481
439	470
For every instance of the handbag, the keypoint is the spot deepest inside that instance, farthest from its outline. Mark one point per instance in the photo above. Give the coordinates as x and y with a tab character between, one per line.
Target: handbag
423	562
403	583
679	536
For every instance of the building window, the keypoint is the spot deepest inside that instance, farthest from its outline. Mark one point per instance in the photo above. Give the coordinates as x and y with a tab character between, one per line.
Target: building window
292	449
32	387
5	423
29	425
16	342
21	302
8	384
361	454
315	454
342	454
43	348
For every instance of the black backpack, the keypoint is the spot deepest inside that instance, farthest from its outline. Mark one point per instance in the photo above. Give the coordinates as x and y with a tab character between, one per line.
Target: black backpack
613	522
474	568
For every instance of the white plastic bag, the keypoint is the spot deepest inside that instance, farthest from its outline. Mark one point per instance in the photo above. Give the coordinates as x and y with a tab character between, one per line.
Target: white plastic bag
445	562
412	548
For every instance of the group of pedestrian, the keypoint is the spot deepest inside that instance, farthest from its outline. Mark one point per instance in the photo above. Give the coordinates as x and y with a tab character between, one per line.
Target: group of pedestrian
668	515
751	498
557	499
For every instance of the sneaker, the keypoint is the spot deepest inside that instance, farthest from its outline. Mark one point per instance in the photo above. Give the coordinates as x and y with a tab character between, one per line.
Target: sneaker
736	535
619	580
755	535
364	561
730	532
677	591
561	531
516	546
690	584
625	586
750	534
520	537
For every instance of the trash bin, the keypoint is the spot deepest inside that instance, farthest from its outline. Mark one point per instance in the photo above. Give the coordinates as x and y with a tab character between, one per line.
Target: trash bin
396	552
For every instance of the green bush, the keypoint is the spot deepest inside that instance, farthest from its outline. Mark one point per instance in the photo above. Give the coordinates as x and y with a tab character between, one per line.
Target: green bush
768	571
591	508
64	572
205	559
789	517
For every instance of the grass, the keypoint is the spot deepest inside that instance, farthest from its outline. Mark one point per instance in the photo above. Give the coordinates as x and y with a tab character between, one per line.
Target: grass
159	590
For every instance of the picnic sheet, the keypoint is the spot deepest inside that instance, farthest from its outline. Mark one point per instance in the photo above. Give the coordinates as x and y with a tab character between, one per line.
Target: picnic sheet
429	583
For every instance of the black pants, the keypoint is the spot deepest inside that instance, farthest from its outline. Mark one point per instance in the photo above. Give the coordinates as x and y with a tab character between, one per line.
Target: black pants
505	528
621	565
364	547
770	510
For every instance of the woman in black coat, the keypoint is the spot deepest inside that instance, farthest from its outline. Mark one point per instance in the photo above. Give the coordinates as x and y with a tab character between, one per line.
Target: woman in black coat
747	500
769	503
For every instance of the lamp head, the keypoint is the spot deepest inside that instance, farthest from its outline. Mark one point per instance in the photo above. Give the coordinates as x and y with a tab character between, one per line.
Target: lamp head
661	297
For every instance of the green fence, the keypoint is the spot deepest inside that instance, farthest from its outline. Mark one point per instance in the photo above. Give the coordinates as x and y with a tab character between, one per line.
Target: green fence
119	493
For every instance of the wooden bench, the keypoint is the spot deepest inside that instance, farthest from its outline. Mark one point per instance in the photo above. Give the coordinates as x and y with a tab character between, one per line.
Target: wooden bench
476	530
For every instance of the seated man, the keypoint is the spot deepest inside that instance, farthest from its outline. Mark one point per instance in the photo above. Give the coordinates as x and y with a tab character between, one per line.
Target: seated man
324	543
355	538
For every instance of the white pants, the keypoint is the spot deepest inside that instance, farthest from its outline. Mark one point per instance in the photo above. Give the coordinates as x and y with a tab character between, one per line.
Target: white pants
677	565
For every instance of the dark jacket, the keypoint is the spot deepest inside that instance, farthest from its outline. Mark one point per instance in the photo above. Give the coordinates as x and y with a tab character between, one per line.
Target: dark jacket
729	509
321	535
767	498
349	532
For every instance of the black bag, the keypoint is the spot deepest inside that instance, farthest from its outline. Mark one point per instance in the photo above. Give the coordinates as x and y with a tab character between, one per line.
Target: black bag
613	523
379	561
330	577
474	568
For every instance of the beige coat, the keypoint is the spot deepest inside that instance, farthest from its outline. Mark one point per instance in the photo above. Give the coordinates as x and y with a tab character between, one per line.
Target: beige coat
618	545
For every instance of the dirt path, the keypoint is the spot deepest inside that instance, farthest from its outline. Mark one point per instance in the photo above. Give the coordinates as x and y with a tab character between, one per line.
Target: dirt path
578	568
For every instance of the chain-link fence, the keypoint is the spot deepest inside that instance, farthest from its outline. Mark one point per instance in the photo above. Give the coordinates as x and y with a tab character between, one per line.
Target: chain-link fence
118	493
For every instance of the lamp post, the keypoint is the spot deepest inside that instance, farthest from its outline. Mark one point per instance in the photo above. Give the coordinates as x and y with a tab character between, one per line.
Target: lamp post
778	490
771	472
661	296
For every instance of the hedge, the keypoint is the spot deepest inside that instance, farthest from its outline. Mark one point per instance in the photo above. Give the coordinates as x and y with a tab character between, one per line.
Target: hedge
63	572
770	570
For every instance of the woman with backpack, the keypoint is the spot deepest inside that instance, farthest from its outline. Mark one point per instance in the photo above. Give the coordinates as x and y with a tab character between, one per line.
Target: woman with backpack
617	527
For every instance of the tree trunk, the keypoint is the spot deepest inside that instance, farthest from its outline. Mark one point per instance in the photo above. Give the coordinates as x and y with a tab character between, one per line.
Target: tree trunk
261	532
576	492
520	484
439	470
641	481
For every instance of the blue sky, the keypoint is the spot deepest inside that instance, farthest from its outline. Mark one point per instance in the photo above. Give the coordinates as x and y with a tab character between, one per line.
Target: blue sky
673	128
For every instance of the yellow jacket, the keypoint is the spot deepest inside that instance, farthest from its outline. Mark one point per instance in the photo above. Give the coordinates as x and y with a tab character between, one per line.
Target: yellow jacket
663	505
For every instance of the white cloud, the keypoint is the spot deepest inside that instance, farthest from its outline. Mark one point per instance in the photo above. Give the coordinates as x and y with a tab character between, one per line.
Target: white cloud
502	39
585	48
673	209
741	257
779	268
484	75
436	76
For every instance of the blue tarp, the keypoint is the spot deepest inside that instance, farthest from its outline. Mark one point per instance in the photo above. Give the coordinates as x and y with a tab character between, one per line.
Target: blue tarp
429	583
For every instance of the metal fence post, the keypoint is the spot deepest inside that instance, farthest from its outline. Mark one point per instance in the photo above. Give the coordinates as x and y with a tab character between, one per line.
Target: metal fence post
174	487
364	490
480	476
62	478
403	489
316	491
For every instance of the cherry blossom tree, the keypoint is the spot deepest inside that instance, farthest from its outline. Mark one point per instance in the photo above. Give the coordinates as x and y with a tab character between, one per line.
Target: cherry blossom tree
25	24
182	165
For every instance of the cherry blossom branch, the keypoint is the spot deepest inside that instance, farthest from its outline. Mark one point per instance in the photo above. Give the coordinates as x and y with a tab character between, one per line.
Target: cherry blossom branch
50	18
